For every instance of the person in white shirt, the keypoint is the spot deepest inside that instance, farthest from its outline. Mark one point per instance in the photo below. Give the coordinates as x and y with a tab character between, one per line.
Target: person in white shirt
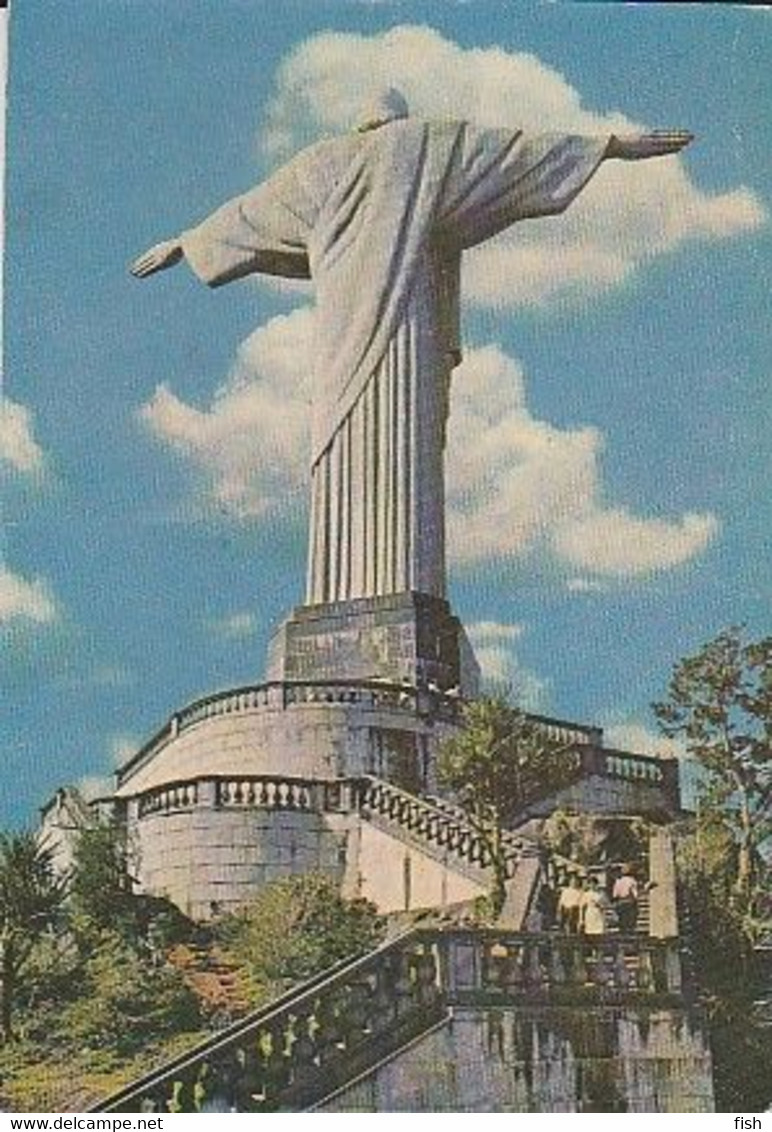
568	905
625	895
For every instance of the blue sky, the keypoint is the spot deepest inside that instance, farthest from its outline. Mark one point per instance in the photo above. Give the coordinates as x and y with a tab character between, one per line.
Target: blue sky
608	486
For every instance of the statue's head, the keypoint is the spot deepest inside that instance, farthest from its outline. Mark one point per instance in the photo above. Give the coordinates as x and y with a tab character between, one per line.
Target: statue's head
385	106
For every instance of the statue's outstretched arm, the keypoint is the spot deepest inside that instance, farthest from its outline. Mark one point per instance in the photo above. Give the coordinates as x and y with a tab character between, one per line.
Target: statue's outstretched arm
636	147
157	258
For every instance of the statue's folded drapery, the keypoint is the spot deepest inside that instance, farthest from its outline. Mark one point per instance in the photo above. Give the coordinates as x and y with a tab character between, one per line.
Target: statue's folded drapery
379	220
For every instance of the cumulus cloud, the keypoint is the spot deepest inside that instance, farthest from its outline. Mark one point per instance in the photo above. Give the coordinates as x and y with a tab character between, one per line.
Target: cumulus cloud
122	747
493	643
94	786
619	544
236	625
19	451
629	735
23	600
516	484
629	214
250	443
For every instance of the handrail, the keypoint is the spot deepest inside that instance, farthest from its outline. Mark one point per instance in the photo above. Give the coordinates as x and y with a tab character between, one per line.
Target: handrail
263	1016
295	1051
282	694
429	822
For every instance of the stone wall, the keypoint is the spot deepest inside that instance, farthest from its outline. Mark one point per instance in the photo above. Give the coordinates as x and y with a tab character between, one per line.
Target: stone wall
544	1059
398	877
209	860
304	731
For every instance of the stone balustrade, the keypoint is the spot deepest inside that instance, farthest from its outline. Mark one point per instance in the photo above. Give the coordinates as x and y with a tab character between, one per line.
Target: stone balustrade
446	827
299	1049
294	1053
493	966
267	793
249	791
619	764
175	796
367	695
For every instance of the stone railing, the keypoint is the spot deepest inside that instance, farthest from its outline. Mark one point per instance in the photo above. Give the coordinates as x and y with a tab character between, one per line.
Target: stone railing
431	821
293	1053
280	695
371	695
640	770
635	768
495	966
301	1049
267	792
165	799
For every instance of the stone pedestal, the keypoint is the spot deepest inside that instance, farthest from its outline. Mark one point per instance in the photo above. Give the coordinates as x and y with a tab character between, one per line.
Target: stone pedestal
410	637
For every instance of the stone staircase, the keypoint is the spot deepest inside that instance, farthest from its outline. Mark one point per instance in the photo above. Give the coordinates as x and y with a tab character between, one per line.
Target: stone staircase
311	1044
441	829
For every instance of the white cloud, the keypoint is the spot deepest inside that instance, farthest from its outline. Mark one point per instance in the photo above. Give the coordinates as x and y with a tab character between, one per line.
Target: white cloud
517	484
615	543
584	585
18	448
500	666
236	625
93	786
635	737
23	600
629	214
122	747
250	445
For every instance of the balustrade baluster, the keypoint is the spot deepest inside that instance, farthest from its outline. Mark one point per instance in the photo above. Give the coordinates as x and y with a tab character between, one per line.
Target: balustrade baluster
329	1035
621	970
646	980
276	1067
303	1048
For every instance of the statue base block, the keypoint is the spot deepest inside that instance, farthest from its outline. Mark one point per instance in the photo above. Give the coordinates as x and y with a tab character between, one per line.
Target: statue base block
409	637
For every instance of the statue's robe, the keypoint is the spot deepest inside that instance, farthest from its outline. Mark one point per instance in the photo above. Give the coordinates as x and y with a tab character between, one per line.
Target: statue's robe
379	220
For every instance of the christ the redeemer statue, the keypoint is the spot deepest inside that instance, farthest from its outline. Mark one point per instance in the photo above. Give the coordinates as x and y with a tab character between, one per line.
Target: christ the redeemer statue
378	219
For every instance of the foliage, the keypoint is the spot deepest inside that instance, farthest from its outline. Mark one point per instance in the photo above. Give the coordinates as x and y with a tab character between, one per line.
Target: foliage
725	966
498	763
100	888
126	1000
575	837
720	702
101	896
298	926
31	897
589	839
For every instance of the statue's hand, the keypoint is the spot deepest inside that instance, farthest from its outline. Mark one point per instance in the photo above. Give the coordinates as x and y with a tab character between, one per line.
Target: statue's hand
636	147
158	258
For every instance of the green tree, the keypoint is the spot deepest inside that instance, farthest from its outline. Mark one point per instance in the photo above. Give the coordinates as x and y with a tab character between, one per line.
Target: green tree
725	965
298	926
719	702
100	888
499	762
31	896
126	1001
101	896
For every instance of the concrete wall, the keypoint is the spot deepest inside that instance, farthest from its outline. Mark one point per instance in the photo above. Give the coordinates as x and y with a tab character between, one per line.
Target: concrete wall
308	740
598	794
200	857
544	1059
398	877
